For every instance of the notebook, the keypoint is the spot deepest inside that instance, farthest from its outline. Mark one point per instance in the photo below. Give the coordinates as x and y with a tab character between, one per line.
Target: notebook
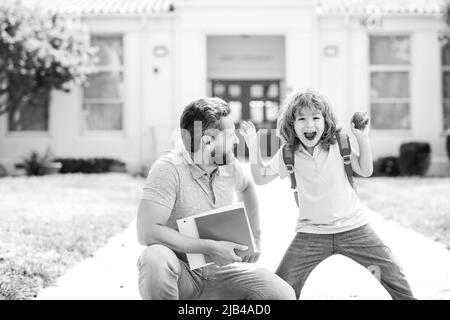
228	223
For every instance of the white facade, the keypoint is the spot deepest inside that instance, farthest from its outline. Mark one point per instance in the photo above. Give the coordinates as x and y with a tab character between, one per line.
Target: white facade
291	41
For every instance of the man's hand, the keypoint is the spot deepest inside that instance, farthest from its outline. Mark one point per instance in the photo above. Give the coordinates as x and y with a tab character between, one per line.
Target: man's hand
222	252
254	257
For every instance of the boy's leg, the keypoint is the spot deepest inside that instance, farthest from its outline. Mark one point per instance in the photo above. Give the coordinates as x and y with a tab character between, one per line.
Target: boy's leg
244	281
304	253
162	276
365	247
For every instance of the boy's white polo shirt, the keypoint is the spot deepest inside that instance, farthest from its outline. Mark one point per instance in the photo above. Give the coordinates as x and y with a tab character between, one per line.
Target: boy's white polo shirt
327	201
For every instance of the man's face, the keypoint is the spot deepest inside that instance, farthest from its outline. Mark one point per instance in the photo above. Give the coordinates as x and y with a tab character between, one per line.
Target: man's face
224	142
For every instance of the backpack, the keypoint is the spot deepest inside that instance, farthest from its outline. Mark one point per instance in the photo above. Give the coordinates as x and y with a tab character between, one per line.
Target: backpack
344	148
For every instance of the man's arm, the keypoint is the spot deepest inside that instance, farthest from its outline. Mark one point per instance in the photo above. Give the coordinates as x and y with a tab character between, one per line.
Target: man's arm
250	199
151	218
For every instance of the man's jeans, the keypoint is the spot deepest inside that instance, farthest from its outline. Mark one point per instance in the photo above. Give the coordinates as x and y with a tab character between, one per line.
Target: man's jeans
361	244
163	276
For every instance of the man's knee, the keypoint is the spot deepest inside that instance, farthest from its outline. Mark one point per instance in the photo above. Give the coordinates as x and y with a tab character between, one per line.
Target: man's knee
275	287
283	291
159	269
158	258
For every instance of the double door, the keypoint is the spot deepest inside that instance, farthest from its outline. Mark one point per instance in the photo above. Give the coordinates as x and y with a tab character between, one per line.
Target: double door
254	100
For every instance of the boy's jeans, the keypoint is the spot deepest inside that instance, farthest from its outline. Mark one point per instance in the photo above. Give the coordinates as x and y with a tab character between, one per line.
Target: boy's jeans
163	276
362	245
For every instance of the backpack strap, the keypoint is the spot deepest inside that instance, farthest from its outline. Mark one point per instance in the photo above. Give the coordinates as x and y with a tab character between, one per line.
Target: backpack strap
345	149
289	161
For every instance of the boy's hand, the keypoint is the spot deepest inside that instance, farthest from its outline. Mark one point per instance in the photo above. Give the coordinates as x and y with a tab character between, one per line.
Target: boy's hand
360	133
248	131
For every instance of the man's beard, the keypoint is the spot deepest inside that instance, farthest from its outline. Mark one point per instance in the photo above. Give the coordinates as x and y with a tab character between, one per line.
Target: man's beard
222	159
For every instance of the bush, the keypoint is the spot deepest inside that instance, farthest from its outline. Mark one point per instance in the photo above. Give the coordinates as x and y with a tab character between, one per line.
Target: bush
34	165
3	172
447	145
415	158
90	165
37	165
386	167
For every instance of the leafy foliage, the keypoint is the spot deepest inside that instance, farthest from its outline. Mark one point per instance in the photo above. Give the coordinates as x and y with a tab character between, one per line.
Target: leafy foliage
40	51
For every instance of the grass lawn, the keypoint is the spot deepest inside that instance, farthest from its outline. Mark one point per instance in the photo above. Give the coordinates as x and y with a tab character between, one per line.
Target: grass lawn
50	223
421	204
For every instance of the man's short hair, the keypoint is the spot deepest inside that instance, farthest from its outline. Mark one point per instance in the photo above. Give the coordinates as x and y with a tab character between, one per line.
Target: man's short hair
205	113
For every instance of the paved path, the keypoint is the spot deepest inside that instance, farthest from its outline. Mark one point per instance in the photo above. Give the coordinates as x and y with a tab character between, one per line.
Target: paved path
112	274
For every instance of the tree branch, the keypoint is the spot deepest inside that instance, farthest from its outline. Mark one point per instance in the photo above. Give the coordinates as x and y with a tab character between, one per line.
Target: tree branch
9	106
4	108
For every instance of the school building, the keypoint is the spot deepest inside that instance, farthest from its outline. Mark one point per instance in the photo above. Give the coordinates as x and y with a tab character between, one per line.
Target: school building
384	57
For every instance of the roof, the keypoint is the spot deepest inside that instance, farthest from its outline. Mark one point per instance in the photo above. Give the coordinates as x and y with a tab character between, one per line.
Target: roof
325	7
105	7
385	7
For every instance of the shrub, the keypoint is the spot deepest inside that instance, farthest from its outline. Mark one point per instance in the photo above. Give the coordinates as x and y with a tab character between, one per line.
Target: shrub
415	158
3	172
90	165
447	145
34	165
386	167
37	165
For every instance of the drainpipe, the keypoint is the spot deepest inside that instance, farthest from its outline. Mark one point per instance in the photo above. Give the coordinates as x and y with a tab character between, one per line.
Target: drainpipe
348	23
143	47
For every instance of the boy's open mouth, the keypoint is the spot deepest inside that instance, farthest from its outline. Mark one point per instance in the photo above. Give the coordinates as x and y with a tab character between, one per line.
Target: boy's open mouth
310	135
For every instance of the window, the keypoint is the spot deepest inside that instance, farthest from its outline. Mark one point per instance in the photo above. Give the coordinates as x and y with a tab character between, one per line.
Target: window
446	85
389	82
31	117
103	98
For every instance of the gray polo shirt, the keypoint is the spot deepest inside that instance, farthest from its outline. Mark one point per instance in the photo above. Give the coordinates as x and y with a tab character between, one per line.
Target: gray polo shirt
178	184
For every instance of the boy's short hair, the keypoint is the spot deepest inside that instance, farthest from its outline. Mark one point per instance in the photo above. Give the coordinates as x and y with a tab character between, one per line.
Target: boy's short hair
204	114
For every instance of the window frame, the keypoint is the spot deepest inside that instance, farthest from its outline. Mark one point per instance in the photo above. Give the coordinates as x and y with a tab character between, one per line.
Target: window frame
120	70
391	68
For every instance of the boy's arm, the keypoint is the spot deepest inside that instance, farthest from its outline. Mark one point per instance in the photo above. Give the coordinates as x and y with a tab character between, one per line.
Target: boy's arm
362	163
261	172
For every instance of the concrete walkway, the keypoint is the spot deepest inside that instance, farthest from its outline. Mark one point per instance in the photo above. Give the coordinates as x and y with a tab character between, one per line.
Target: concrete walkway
112	273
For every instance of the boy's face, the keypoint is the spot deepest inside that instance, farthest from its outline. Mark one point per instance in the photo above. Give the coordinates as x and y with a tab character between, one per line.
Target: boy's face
309	126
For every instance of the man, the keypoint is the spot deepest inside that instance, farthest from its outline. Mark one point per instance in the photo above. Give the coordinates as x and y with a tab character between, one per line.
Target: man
201	176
